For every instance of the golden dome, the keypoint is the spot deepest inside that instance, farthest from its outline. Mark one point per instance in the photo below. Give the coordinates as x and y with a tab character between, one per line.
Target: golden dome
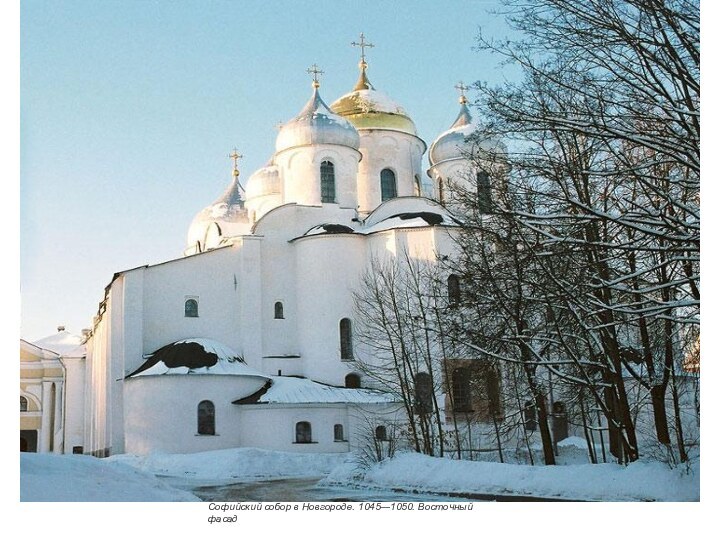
366	108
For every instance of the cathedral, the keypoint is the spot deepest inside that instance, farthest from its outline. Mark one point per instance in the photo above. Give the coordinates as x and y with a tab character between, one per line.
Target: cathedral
249	338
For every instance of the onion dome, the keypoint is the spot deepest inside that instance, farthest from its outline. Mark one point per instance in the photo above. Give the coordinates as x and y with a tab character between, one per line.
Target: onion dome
368	108
455	143
264	181
224	218
316	124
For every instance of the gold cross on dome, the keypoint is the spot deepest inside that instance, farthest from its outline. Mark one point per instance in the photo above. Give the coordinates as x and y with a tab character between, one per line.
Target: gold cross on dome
235	156
462	88
362	44
314	70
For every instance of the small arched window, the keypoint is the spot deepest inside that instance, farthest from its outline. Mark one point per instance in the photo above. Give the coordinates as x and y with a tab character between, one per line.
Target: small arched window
381	433
352	380
346	344
279	312
23	404
453	285
388	185
559	421
206	418
303	433
418	186
483	192
191	307
327	182
338	432
423	393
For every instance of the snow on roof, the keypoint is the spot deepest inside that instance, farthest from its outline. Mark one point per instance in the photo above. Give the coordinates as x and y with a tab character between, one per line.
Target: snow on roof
297	390
412	219
329	228
63	343
195	356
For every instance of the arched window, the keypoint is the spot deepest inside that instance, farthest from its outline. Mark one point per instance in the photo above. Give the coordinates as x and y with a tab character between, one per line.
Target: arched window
483	191
418	186
462	400
352	380
453	285
346	345
23	404
303	433
338	431
191	307
381	433
388	185
327	182
206	418
559	421
279	310
423	393
441	191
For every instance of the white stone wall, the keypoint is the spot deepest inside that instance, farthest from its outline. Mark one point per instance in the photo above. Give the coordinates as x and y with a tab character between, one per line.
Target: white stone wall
161	412
300	173
328	269
386	149
74	402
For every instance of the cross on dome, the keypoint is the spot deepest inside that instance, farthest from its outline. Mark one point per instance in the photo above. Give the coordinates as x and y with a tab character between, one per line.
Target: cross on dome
314	70
462	88
235	156
362	44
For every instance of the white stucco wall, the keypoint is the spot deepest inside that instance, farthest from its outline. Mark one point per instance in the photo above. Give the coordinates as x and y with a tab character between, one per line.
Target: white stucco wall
387	149
161	412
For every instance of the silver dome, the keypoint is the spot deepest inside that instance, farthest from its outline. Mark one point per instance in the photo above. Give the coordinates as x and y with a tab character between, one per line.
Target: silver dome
317	124
455	143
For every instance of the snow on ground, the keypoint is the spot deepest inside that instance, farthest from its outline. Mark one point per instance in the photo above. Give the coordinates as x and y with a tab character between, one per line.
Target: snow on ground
77	478
602	482
150	478
221	466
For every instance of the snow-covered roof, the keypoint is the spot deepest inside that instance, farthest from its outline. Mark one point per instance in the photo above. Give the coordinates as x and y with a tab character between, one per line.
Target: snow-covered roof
412	219
63	343
296	390
329	228
398	213
195	356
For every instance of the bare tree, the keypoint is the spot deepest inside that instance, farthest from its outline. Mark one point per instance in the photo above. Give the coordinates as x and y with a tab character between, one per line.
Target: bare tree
591	262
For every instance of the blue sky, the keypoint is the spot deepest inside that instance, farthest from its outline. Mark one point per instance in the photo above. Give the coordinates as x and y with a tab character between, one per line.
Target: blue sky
129	108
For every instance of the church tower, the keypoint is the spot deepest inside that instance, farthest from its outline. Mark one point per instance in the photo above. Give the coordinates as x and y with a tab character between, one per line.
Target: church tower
317	155
392	151
462	164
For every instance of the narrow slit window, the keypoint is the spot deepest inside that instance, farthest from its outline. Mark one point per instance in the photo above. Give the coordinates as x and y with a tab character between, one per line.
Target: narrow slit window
388	185
327	182
279	311
483	192
346	344
453	287
206	418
